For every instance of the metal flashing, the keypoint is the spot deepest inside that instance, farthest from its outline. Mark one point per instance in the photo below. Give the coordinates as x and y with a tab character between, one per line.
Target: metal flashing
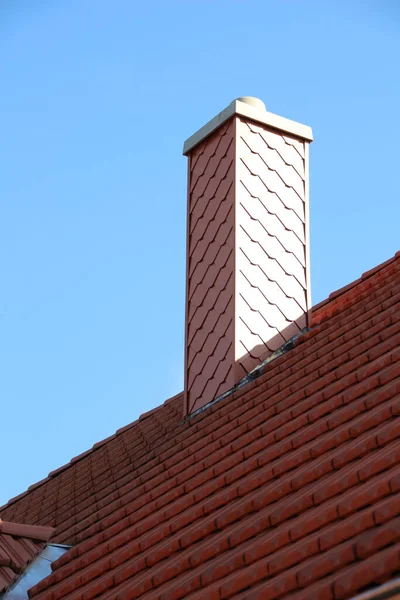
37	570
390	589
253	374
252	111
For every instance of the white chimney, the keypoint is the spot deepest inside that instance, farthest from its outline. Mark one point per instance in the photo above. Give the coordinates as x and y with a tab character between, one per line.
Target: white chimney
247	283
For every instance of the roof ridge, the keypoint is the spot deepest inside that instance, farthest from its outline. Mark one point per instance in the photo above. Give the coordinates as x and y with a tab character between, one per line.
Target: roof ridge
341	293
314	330
365	276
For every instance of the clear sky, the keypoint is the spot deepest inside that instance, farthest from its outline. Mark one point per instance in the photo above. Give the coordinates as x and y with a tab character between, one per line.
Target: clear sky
97	98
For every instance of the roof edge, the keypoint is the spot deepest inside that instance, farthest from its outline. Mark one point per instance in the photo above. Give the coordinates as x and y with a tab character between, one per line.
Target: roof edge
81	456
315	311
366	275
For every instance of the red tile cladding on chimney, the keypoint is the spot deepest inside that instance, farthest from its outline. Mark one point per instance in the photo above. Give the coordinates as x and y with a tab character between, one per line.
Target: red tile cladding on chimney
210	268
247	289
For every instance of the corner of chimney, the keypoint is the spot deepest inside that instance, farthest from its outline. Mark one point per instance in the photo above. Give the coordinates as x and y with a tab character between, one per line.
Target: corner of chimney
247	279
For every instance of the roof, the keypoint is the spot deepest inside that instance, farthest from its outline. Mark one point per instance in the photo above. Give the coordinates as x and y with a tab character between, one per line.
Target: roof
287	488
19	545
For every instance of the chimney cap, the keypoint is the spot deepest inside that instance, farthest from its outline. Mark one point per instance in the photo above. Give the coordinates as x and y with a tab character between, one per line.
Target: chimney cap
252	101
254	109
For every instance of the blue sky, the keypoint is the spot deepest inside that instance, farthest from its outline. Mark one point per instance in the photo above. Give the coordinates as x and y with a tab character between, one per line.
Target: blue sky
97	100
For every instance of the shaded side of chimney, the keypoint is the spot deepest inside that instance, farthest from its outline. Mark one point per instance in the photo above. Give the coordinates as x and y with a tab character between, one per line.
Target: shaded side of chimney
209	330
247	288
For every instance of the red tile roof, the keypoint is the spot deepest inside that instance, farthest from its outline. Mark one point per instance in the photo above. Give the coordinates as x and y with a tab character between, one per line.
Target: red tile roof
19	545
288	488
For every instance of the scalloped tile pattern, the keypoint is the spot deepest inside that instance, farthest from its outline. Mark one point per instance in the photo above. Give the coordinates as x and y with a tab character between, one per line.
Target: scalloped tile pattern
209	351
271	290
246	276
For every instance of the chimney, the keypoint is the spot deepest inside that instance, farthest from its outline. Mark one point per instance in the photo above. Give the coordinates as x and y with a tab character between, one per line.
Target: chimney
247	272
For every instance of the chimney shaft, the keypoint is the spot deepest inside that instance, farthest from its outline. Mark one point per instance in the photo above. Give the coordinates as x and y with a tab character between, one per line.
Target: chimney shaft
247	282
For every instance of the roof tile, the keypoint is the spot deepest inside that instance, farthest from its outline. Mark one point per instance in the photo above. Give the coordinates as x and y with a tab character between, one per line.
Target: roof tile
373	570
19	545
288	487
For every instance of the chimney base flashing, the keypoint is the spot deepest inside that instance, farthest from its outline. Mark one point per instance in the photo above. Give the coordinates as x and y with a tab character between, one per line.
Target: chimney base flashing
251	111
253	374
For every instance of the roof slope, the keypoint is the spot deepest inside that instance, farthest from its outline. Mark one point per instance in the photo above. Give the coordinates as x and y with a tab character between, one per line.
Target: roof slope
19	545
288	488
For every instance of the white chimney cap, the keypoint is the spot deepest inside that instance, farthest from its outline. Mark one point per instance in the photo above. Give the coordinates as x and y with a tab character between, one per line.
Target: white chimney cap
256	102
251	108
